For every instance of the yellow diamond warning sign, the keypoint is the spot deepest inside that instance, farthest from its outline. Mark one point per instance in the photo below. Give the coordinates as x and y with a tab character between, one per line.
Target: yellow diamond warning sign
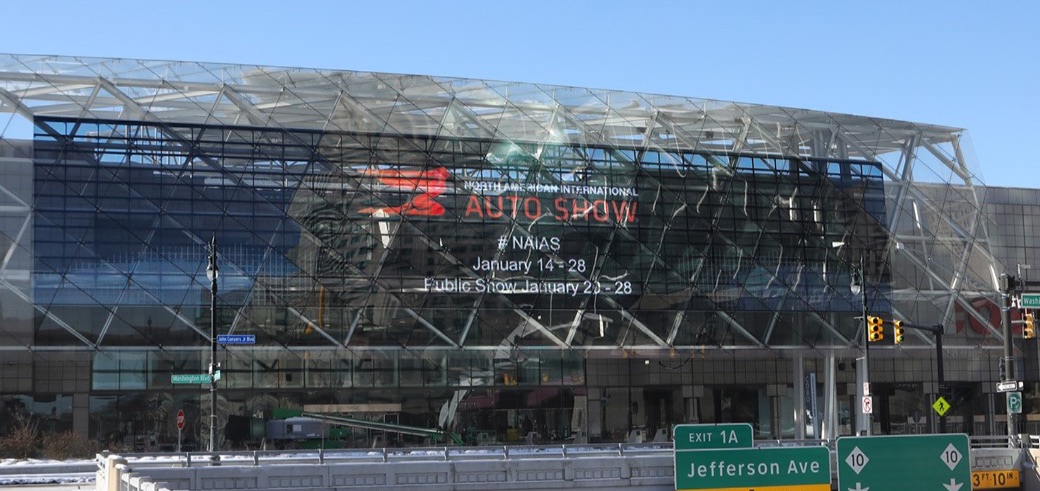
941	406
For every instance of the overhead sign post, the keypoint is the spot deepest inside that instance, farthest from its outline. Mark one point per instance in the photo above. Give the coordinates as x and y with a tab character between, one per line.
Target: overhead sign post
937	461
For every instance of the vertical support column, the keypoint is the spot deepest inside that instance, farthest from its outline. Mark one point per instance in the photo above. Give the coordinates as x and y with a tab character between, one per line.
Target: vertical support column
991	410
829	425
691	402
799	397
212	272
775	392
597	413
81	413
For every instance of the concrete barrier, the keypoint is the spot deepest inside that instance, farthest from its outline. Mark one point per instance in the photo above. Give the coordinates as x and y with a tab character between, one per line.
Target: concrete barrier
607	467
435	471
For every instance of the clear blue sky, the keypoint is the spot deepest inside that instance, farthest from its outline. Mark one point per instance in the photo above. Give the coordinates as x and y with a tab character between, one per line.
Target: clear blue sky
972	65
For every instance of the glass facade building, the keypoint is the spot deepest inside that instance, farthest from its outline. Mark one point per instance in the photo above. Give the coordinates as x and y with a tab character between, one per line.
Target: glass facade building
513	262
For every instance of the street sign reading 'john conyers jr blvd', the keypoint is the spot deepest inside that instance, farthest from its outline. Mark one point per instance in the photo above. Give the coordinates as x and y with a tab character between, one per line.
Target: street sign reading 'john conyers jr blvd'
760	469
236	339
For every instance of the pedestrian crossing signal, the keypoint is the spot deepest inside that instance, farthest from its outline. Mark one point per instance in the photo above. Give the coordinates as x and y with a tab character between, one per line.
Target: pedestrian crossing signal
897	334
875	328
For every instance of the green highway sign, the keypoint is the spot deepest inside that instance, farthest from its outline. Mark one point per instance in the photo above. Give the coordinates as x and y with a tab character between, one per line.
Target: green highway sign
904	462
1030	300
190	378
708	436
761	469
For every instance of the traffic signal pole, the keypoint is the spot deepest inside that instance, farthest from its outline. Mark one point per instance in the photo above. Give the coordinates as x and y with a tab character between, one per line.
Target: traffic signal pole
1008	284
940	377
937	331
865	420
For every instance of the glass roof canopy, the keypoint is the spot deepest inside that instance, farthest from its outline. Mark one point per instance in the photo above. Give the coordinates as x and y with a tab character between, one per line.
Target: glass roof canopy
297	98
938	231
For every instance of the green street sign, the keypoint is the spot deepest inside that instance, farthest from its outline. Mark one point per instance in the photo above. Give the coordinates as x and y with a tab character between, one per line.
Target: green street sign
761	469
1014	403
1030	300
904	462
190	378
708	436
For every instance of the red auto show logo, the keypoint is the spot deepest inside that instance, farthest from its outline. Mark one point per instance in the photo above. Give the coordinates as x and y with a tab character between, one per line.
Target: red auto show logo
504	200
429	183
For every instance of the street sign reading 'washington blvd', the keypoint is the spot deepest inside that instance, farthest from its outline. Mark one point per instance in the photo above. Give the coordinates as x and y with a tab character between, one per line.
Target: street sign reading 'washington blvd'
904	462
1030	300
190	378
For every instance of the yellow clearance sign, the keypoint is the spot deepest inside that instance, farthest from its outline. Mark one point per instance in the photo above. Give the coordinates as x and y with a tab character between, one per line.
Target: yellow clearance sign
1009	478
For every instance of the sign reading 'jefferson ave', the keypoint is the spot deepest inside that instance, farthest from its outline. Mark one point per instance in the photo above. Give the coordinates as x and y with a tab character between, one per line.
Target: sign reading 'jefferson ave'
722	457
789	469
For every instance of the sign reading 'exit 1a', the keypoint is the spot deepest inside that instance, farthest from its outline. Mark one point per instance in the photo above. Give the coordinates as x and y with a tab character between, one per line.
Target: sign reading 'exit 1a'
705	436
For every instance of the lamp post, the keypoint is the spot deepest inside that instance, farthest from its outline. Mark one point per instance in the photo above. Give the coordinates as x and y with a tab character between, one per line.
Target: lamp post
1009	284
858	287
212	272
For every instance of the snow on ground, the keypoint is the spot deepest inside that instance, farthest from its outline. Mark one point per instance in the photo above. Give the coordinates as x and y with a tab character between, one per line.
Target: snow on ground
41	471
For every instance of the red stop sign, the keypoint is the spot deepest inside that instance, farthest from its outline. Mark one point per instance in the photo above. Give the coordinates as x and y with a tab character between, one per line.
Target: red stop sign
180	419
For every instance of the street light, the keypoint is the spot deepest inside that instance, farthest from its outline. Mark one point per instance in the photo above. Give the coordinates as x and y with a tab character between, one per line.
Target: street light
212	272
858	287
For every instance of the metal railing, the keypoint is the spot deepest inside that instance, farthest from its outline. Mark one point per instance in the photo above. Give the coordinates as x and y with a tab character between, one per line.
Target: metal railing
497	452
330	456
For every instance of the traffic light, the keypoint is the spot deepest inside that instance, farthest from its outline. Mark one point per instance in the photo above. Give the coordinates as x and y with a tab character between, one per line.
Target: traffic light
875	328
1028	329
897	335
